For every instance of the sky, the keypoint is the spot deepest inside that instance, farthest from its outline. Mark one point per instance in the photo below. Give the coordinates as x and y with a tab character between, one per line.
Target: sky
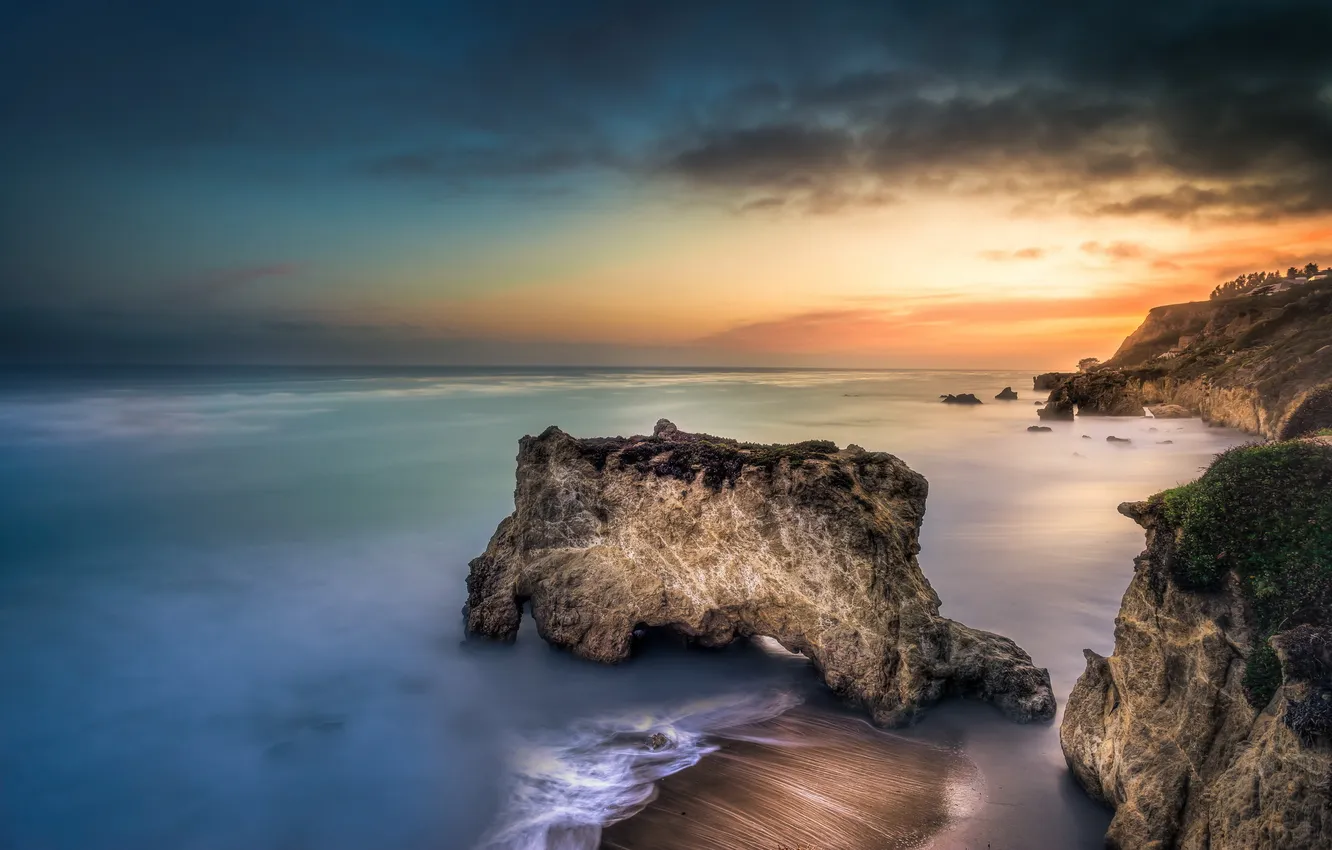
985	183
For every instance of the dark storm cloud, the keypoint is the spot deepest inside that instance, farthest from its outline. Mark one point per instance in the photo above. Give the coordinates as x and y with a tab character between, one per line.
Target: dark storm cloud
1231	100
774	155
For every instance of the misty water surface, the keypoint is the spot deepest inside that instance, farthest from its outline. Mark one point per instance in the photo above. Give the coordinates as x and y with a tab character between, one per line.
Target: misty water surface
229	601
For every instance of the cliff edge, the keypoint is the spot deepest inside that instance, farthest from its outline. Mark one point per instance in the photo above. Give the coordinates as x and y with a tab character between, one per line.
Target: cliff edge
1260	363
1210	726
716	539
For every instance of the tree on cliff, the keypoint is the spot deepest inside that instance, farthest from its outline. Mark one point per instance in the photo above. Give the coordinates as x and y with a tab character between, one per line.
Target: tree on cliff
1248	282
1086	363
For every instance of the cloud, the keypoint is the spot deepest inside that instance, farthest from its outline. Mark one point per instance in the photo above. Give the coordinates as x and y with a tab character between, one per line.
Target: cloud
945	326
1097	105
1019	254
1114	250
777	155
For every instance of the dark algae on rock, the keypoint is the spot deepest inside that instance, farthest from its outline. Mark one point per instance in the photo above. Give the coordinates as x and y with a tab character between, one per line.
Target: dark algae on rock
1210	727
716	539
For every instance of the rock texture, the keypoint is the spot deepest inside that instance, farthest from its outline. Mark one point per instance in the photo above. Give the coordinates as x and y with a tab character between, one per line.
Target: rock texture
1262	364
1162	732
717	540
1170	411
1100	393
1049	380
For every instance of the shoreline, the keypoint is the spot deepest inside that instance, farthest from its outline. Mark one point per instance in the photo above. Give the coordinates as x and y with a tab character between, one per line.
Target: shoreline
799	781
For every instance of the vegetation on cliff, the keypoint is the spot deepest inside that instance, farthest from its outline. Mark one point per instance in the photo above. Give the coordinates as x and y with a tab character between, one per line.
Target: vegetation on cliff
1245	283
1265	513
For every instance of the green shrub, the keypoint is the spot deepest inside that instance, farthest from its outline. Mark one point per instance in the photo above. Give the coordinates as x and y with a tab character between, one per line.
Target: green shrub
1262	674
1264	512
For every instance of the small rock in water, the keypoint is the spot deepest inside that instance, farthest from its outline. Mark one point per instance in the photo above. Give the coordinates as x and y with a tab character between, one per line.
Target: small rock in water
658	741
1165	442
1039	428
1086	436
1078	454
960	398
1170	411
1007	394
1113	439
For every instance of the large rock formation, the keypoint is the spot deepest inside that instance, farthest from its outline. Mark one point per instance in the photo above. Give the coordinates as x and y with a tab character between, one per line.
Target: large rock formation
1166	730
717	539
1109	393
1049	380
1259	363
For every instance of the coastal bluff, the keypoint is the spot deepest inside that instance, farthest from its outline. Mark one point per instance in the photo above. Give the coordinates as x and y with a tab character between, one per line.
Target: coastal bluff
1210	725
1259	363
716	539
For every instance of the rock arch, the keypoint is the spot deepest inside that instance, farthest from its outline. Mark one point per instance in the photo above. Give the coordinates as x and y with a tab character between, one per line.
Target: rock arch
716	539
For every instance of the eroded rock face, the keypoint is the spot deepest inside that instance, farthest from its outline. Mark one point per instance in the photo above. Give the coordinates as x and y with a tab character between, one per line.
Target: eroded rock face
716	539
1257	363
1094	394
1162	731
1170	411
1049	380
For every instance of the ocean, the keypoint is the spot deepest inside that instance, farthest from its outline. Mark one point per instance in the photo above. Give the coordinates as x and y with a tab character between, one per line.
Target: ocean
230	617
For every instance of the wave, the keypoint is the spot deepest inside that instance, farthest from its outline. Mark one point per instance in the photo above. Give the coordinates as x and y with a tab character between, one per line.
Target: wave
565	786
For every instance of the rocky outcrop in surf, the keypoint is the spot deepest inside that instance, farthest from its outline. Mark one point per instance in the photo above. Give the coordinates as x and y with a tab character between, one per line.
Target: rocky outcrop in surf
716	539
1210	727
1049	380
1259	363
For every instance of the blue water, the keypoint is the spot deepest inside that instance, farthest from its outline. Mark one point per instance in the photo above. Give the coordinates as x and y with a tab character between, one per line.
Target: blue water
229	599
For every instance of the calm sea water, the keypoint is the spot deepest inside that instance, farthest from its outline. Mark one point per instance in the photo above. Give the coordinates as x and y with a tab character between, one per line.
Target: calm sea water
229	600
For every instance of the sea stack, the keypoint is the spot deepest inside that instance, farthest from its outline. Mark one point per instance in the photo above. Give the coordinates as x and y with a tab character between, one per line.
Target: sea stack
717	539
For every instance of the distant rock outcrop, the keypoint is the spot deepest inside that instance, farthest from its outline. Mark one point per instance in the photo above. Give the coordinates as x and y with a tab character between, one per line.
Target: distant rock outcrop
962	398
1100	393
1007	394
718	539
1049	380
1170	411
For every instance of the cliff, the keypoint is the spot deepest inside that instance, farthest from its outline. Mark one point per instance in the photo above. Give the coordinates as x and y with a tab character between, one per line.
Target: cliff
1210	726
809	544
1262	364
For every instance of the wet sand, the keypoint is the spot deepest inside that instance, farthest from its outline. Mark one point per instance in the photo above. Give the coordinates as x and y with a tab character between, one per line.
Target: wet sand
812	779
